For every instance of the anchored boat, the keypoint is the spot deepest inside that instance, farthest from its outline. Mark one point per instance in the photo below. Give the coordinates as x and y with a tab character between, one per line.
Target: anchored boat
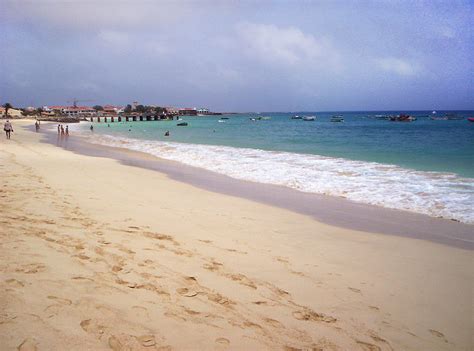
402	118
337	118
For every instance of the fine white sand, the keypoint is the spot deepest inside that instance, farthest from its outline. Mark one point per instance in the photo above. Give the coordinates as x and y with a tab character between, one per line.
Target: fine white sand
97	255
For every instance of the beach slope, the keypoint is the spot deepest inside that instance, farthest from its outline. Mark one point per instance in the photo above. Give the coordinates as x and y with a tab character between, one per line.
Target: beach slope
97	255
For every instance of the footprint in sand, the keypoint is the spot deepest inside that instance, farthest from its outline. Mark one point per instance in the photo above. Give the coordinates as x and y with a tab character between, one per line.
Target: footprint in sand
223	341
186	292
368	346
123	342
213	266
28	344
159	236
114	343
116	269
83	257
438	334
257	327
6	318
221	300
15	283
291	348
273	322
31	268
60	300
92	327
282	259
242	279
309	315
82	278
147	340
191	279
354	290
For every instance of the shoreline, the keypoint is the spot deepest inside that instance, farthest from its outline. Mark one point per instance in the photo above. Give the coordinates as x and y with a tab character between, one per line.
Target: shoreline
331	210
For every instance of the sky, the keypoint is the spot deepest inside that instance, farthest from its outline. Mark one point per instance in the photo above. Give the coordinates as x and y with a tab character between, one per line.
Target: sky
341	55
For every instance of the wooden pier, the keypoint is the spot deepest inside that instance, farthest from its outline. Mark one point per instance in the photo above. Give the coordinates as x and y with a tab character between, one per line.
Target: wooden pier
112	119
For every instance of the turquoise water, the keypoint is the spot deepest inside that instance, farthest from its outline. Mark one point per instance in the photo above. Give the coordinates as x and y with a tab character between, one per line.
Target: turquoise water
426	166
427	145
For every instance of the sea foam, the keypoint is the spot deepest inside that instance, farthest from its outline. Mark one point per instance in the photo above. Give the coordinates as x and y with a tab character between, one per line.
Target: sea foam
437	194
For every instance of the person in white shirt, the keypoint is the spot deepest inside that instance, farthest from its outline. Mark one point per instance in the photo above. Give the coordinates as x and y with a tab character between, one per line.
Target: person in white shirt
8	128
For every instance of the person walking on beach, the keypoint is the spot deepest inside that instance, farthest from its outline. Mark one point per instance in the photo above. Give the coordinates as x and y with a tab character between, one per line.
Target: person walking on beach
62	130
92	128
67	130
8	128
37	127
59	129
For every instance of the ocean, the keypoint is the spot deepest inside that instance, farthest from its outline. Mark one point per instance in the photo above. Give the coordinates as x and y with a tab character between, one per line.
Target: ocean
425	166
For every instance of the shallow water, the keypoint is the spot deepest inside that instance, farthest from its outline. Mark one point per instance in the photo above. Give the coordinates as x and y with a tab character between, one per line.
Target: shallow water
426	166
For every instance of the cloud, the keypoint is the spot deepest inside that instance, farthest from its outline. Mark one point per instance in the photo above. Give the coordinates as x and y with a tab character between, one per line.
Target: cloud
396	65
286	45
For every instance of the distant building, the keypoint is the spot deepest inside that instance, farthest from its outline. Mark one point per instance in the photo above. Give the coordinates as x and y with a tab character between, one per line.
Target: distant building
79	111
171	110
202	111
109	110
71	111
188	111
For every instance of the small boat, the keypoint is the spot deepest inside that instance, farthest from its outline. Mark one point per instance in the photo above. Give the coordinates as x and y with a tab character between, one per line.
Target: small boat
253	119
402	118
296	117
182	124
221	121
337	118
224	117
309	118
471	119
439	118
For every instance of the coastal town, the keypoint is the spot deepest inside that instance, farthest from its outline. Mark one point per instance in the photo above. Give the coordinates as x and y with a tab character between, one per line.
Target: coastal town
75	113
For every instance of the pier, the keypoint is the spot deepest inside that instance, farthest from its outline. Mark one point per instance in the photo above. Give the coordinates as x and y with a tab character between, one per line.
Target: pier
133	118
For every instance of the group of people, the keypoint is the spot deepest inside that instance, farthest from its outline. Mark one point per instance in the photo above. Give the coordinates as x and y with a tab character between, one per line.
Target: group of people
8	128
63	131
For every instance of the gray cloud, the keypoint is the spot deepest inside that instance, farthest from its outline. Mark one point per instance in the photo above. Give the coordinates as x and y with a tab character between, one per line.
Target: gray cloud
238	55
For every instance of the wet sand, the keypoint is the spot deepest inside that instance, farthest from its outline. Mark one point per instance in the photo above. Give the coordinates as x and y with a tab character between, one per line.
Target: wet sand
100	255
331	210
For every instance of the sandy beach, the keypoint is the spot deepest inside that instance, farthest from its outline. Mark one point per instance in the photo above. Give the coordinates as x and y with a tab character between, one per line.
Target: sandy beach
99	255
